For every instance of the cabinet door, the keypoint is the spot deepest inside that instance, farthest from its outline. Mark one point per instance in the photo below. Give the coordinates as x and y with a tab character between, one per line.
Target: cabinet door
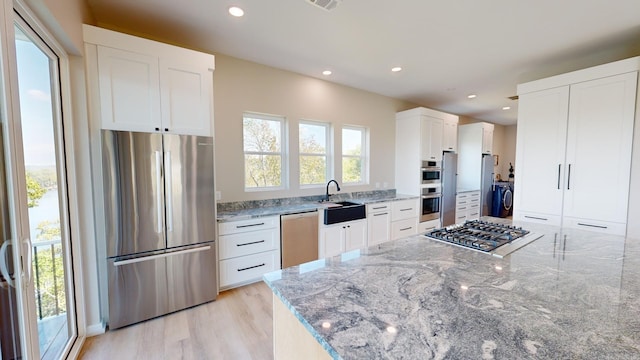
332	241
601	116
356	235
129	90
450	136
187	94
539	171
379	227
432	130
487	140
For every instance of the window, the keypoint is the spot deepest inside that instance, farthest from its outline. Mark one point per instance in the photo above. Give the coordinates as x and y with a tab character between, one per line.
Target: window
264	165
354	159
313	145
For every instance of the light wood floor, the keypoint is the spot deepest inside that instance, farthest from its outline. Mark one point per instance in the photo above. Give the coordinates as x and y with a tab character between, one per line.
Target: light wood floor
238	325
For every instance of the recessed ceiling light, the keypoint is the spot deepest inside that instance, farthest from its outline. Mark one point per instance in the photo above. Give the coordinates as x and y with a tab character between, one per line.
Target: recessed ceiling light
326	72
506	108
396	69
472	96
236	11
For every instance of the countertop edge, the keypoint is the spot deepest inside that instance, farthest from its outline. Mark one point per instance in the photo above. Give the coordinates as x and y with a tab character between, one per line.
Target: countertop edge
325	345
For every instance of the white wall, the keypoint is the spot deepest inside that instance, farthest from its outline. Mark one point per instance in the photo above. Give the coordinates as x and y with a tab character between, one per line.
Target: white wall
241	86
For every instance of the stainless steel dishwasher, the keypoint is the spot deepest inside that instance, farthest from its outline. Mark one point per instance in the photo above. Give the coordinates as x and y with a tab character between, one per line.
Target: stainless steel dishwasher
299	238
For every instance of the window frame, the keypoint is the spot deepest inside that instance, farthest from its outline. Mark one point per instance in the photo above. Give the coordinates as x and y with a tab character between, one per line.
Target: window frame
328	154
364	154
282	153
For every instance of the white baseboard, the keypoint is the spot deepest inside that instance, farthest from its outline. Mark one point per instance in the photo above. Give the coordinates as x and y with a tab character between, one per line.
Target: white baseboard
95	329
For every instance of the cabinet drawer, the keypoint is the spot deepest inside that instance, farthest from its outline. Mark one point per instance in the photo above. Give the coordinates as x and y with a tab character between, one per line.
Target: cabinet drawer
378	207
537	218
242	270
404	209
234	227
404	228
235	245
428	226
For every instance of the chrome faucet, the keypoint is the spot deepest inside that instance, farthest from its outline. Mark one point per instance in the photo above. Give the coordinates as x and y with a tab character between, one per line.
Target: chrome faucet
329	183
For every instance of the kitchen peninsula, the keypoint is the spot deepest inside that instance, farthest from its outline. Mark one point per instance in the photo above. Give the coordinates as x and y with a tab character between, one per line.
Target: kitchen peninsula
570	294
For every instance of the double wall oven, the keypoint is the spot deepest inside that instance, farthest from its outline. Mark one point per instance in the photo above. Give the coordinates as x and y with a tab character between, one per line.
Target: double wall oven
431	186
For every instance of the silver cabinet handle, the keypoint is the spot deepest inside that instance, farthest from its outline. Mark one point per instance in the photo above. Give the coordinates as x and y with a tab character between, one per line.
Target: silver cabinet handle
380	214
158	191
168	175
252	267
569	178
405	229
250	243
406	209
536	218
248	225
559	166
594	226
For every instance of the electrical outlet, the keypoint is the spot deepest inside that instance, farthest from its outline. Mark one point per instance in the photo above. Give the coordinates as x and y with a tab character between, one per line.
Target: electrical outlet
218	195
377	185
385	185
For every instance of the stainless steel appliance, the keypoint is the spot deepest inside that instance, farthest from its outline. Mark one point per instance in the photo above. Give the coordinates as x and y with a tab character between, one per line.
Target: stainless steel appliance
431	172
484	236
449	175
299	238
160	223
486	185
430	201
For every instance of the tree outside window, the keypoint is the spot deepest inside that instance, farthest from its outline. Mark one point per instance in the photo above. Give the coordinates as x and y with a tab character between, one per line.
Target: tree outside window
354	160
313	144
263	155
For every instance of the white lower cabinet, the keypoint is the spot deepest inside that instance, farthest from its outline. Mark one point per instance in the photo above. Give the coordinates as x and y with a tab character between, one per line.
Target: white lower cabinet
379	222
346	236
467	206
404	218
247	250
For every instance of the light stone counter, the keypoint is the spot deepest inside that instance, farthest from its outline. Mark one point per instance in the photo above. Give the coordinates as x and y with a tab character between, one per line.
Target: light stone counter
568	295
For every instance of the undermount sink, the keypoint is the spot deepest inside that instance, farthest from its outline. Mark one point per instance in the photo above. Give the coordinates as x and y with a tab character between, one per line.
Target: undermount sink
343	211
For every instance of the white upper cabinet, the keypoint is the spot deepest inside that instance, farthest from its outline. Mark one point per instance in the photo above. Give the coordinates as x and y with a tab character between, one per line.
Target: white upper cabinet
129	90
487	138
432	130
572	138
420	136
147	86
450	134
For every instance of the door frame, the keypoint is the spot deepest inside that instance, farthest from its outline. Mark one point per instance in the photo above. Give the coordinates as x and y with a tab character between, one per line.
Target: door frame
10	11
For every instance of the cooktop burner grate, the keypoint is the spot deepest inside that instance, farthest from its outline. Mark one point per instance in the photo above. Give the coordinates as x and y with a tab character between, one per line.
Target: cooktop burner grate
478	235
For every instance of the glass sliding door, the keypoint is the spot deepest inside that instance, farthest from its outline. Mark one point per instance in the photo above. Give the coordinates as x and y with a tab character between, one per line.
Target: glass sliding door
37	75
34	201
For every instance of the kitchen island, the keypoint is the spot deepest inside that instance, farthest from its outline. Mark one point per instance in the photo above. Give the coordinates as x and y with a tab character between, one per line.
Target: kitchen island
570	294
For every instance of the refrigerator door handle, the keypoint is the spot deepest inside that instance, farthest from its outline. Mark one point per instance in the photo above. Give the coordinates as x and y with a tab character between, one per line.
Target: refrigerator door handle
158	191
168	189
160	256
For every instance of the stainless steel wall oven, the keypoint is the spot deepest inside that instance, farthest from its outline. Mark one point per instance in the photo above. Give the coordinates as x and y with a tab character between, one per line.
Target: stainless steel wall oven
431	172
430	203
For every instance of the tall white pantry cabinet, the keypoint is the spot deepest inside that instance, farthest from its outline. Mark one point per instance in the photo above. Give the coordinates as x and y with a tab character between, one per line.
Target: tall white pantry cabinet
574	145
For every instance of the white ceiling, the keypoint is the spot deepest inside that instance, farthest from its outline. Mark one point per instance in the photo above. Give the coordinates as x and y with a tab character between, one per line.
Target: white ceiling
447	48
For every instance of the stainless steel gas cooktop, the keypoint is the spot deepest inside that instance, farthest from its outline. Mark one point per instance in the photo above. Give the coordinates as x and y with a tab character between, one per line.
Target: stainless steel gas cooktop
493	238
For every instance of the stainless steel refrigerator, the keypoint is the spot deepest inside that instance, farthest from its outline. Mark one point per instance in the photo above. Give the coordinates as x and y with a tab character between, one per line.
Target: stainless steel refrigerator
486	185
449	174
160	224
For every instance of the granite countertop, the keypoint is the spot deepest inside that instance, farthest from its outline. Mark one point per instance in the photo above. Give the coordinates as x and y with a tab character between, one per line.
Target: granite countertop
272	210
569	295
